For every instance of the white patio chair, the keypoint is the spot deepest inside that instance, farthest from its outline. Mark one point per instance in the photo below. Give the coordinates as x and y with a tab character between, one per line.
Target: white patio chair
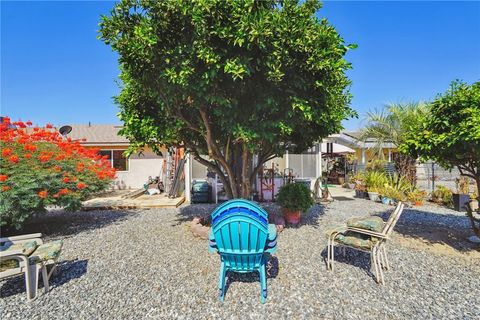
27	254
365	238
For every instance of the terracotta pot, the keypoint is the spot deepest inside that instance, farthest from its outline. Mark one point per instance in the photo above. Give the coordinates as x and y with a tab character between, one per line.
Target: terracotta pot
292	217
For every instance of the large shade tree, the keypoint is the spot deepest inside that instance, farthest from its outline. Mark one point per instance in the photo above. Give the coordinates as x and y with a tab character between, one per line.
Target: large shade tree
238	81
450	134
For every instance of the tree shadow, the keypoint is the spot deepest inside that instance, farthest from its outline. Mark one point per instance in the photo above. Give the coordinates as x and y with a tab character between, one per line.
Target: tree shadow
311	217
59	223
190	211
66	271
433	228
251	277
204	210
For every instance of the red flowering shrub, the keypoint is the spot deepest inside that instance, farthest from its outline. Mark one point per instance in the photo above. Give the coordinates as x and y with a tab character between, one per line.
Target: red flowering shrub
39	167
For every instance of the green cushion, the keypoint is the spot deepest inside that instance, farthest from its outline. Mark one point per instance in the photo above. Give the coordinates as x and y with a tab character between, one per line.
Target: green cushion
356	240
368	223
336	229
27	249
47	251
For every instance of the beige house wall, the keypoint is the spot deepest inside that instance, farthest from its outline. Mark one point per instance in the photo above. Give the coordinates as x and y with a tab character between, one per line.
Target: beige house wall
140	167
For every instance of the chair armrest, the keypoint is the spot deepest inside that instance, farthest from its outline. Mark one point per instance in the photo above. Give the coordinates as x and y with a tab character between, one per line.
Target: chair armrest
24	238
272	239
272	231
12	253
367	232
212	244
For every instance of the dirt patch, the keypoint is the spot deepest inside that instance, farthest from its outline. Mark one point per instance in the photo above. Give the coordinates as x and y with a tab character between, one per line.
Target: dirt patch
441	241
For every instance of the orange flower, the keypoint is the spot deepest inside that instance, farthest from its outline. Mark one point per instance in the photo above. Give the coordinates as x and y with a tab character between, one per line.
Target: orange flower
63	191
30	147
80	167
6	152
60	157
3	177
43	194
27	155
81	185
66	180
5	188
57	169
13	159
44	158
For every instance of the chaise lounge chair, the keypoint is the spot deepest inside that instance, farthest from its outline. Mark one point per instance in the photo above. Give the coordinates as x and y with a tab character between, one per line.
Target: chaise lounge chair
27	254
242	237
368	234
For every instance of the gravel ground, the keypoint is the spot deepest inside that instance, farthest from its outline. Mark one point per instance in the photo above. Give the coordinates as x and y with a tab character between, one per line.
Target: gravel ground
147	264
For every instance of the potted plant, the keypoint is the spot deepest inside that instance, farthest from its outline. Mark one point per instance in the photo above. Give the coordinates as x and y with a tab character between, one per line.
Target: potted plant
294	199
391	195
373	194
360	187
462	197
375	180
416	197
442	195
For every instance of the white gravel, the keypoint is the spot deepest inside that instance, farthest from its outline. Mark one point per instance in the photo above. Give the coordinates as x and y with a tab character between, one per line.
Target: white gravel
147	264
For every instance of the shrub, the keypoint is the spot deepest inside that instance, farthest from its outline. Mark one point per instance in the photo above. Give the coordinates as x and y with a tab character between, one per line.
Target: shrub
38	168
443	195
295	196
375	180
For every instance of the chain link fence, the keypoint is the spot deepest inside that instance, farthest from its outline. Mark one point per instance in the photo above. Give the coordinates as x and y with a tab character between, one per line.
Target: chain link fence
430	175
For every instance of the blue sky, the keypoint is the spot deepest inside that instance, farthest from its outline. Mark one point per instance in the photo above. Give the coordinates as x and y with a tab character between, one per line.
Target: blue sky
53	69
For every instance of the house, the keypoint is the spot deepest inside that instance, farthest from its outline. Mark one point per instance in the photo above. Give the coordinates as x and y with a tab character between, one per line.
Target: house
364	150
133	171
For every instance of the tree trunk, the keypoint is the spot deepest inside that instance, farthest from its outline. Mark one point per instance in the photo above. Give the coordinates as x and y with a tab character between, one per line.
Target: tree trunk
406	167
246	170
471	214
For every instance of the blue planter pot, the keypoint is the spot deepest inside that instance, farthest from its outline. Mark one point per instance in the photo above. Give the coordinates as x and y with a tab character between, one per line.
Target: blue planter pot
386	200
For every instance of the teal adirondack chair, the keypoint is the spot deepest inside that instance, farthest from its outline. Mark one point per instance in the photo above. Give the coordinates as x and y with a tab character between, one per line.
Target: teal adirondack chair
243	238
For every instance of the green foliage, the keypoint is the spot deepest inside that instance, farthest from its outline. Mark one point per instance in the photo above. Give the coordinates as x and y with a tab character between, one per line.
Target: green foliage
375	180
228	79
295	196
463	185
450	133
376	165
443	195
41	169
390	124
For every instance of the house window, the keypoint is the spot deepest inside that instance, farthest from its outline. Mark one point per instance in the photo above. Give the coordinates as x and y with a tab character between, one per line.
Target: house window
117	159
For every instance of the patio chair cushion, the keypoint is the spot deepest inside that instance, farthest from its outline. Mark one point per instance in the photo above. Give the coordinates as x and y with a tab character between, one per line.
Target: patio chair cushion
356	240
371	223
47	251
27	249
336	229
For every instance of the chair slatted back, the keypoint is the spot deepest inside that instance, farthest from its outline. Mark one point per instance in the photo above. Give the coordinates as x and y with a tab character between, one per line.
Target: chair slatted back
392	220
240	230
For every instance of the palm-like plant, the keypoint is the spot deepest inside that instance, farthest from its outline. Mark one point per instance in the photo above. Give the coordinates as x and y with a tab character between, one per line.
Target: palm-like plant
389	125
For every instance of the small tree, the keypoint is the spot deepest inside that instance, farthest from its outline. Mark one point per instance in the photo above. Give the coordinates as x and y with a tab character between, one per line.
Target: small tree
390	125
450	133
38	167
228	79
